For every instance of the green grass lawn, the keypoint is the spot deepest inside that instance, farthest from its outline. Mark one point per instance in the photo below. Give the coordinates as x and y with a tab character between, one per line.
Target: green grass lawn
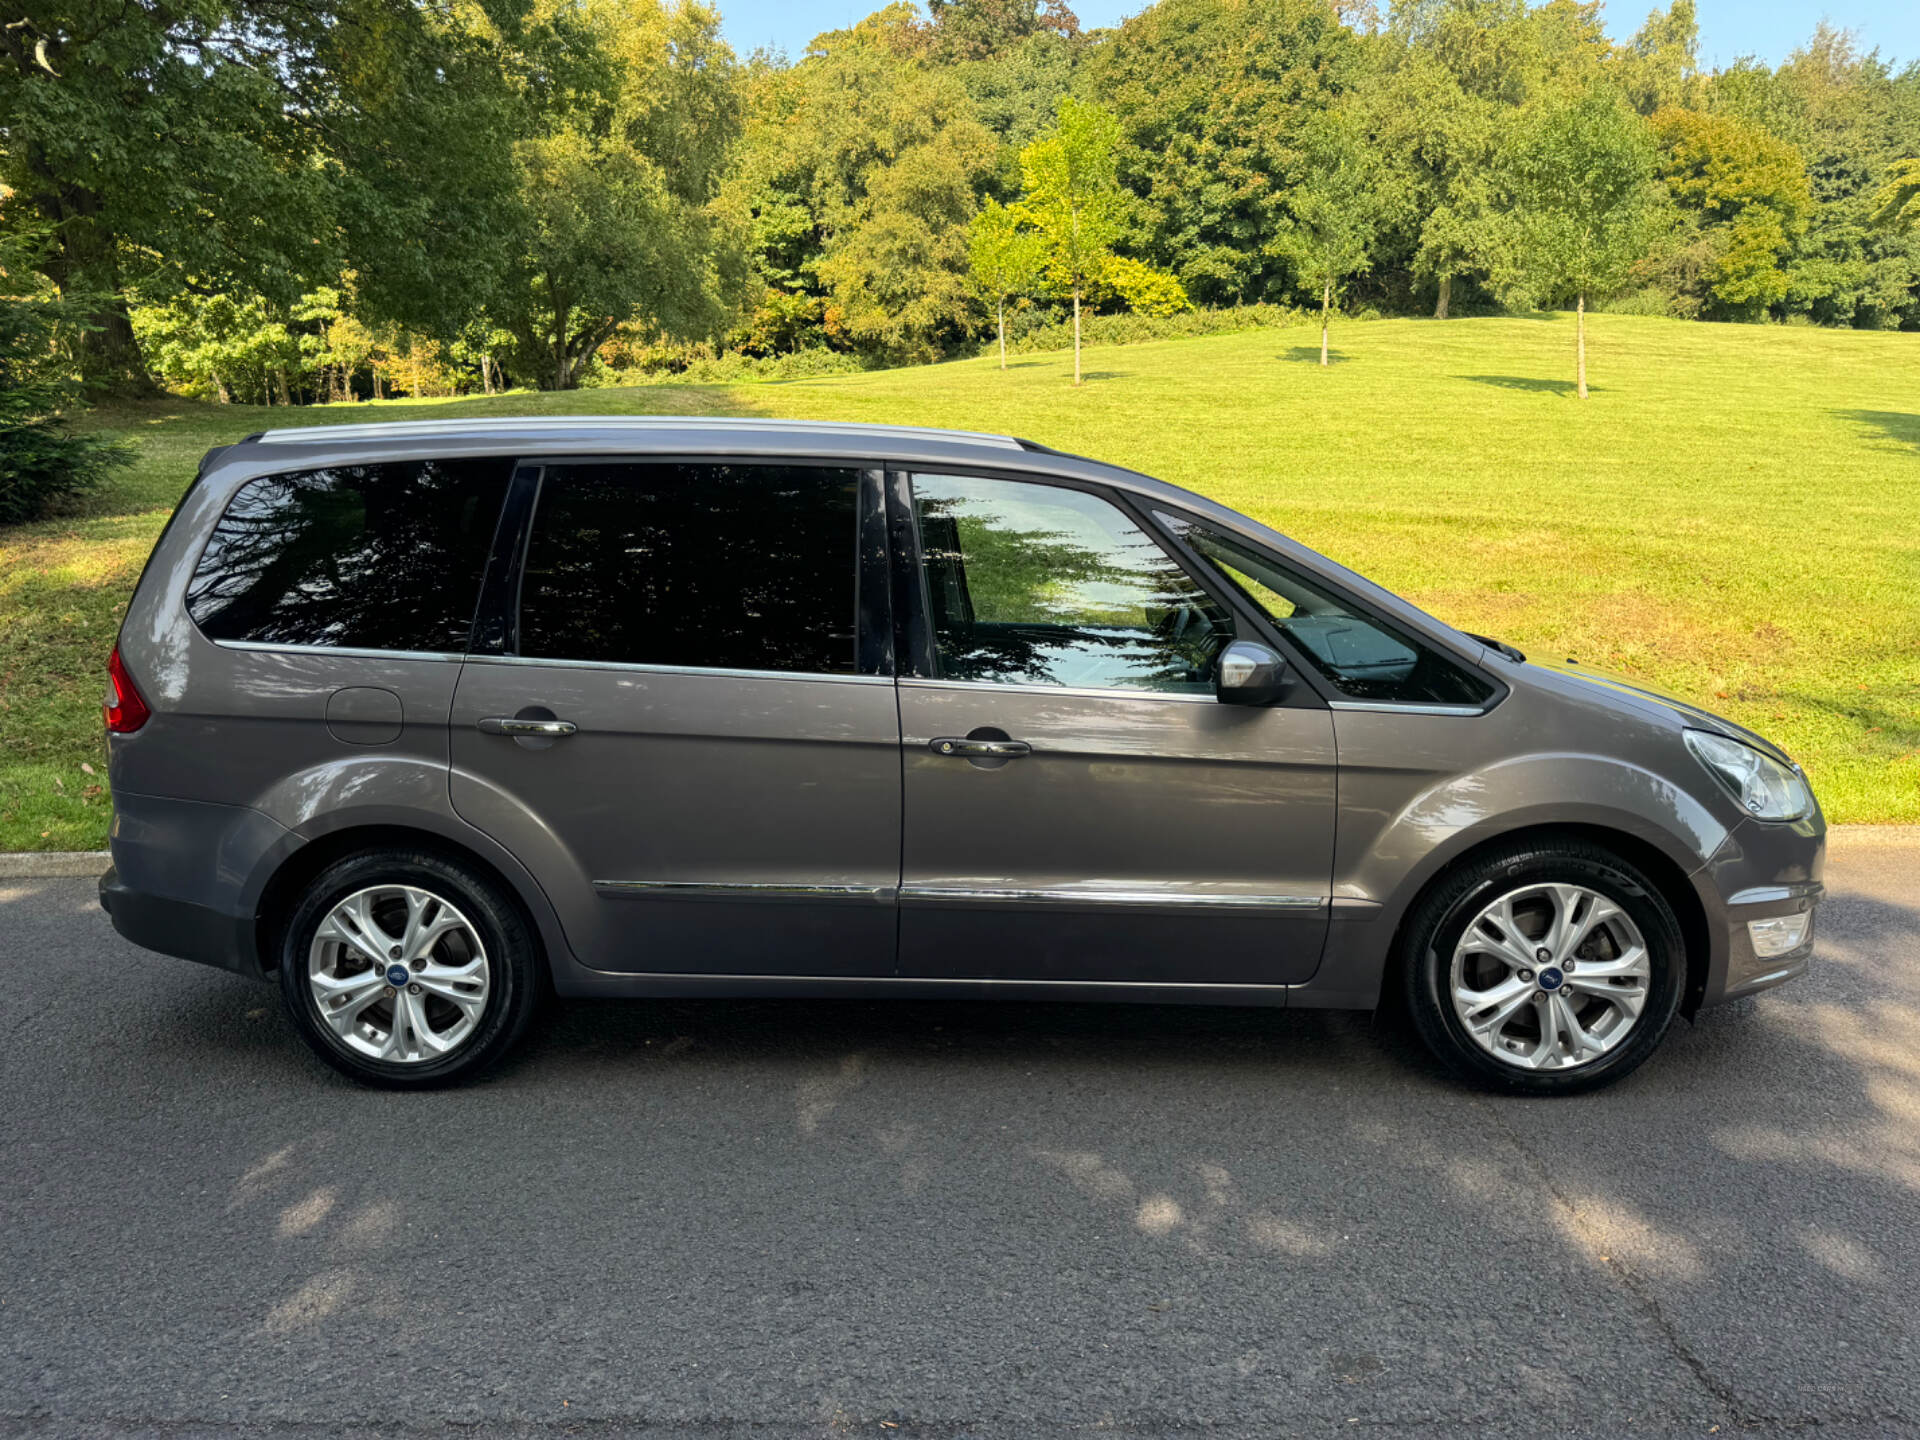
1735	514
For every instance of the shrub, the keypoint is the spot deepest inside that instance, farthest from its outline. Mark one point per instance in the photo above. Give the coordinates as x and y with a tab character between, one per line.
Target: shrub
42	460
699	365
1033	330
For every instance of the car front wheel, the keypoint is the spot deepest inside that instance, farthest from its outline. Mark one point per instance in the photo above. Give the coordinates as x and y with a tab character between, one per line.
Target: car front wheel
1549	967
406	970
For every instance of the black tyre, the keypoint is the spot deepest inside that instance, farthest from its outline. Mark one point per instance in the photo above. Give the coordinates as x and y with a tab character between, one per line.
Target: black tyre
1549	967
407	970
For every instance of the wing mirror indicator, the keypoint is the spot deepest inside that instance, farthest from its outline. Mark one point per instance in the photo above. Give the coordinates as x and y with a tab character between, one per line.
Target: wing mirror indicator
1249	674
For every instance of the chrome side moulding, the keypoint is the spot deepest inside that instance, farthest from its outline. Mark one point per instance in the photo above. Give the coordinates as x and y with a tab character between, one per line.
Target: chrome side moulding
1084	895
707	890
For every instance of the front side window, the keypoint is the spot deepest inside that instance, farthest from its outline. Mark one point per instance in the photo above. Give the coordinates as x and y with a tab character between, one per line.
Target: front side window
376	557
1037	584
732	567
1362	657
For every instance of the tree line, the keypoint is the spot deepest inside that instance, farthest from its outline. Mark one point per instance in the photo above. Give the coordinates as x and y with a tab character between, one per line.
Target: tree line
283	201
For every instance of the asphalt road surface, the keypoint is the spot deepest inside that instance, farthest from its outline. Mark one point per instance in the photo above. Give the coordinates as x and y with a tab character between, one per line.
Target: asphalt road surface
897	1220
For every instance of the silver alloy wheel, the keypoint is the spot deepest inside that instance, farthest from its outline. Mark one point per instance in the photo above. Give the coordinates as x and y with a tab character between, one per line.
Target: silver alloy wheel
398	974
1550	977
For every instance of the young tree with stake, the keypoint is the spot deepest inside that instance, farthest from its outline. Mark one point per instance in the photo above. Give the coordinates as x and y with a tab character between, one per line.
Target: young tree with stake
1073	201
1006	260
1072	206
1336	210
1583	202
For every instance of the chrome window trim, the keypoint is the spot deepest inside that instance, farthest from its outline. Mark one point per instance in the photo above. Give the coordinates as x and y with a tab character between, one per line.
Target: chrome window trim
1407	707
1084	691
1074	895
630	668
752	890
357	652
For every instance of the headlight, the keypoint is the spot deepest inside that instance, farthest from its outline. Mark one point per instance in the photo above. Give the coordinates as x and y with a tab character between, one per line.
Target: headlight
1766	788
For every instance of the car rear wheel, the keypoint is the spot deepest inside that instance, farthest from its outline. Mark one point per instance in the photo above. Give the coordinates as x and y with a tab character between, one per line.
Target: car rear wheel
1546	968
407	970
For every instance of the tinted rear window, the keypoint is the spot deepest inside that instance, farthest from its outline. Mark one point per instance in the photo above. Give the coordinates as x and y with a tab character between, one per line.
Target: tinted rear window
739	567
376	557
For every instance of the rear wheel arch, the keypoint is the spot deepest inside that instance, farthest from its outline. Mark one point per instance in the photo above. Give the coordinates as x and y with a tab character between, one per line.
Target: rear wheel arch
300	868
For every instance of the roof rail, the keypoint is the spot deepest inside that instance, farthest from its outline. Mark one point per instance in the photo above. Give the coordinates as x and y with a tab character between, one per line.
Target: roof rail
537	425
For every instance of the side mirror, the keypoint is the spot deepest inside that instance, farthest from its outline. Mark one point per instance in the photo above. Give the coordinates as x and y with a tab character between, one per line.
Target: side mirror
1249	674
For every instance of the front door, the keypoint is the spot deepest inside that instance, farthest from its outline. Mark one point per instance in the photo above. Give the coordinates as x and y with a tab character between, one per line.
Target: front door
678	728
1078	804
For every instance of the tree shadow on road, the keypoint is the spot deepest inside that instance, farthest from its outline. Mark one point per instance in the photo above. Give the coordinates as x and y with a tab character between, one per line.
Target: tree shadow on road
1298	1196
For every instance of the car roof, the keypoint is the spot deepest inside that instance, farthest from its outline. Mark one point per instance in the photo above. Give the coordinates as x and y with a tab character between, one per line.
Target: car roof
655	426
665	435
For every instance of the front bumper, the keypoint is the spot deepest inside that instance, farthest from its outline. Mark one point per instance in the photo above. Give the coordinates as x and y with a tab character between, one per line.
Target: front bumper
1747	970
1762	871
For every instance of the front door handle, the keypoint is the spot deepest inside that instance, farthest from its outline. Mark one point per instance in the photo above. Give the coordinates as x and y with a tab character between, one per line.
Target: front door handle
979	749
506	725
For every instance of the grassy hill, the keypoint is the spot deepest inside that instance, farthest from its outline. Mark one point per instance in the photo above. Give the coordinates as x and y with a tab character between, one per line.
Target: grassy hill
1735	514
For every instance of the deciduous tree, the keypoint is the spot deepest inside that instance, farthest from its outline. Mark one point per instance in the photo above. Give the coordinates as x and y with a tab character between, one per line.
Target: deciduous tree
1584	201
616	219
1005	258
1072	200
248	146
1337	209
1743	200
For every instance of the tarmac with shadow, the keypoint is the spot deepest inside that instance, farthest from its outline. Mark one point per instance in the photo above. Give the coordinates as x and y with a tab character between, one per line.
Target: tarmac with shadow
953	1220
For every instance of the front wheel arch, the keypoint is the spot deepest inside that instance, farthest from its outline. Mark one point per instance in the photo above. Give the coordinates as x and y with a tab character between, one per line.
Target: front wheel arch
1648	859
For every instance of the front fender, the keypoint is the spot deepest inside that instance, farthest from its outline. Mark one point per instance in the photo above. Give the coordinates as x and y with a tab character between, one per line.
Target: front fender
1387	862
1401	824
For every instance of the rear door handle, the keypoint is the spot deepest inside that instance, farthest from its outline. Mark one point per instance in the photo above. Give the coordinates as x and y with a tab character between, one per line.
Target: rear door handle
506	725
974	749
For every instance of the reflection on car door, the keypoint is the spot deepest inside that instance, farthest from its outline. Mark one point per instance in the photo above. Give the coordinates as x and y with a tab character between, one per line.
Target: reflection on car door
677	724
1078	805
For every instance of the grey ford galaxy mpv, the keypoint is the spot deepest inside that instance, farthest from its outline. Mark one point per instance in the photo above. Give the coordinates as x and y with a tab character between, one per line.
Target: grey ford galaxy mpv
425	719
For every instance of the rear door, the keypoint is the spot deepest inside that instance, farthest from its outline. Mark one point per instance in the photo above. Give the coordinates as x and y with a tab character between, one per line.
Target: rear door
679	719
1133	829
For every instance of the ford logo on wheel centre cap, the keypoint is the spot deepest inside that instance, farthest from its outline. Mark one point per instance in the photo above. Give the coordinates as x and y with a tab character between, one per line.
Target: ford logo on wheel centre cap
397	976
1551	979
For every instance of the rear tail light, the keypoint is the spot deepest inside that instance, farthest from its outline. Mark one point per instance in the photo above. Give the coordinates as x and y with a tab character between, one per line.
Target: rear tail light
125	710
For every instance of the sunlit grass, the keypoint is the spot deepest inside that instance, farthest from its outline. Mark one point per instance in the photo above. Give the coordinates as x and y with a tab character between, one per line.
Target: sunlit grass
1735	514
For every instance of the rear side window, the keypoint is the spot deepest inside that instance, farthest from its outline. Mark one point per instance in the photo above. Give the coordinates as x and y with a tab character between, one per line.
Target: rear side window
374	557
730	567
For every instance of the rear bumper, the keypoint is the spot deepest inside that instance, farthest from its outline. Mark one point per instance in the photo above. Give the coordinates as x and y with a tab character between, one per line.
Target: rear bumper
186	877
180	928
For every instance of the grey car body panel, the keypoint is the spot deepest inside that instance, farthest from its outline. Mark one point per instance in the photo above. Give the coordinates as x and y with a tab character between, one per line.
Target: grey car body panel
239	769
694	778
1212	824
